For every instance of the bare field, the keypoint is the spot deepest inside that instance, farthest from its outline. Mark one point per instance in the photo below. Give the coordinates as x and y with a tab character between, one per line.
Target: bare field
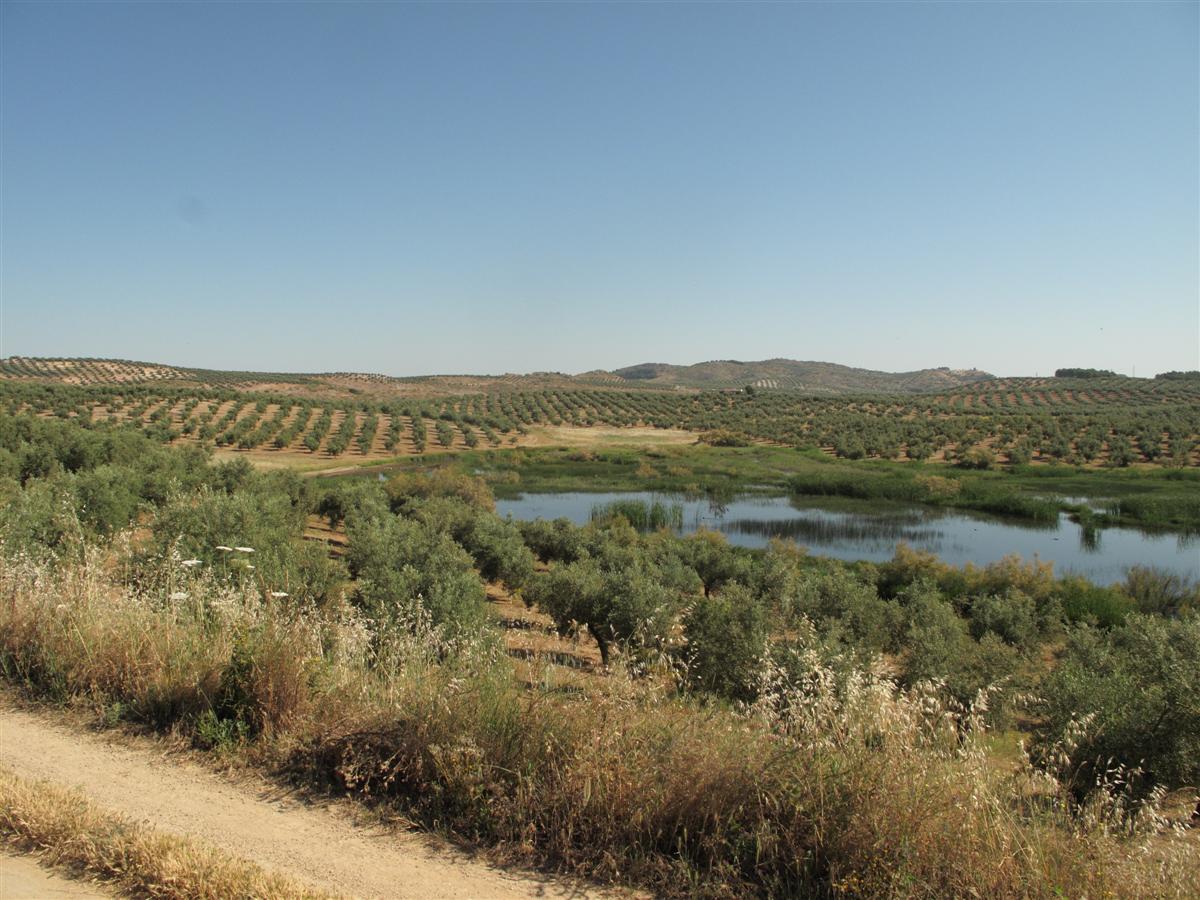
605	436
549	436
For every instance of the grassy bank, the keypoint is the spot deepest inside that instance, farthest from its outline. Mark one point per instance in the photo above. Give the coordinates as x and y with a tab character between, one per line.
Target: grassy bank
850	787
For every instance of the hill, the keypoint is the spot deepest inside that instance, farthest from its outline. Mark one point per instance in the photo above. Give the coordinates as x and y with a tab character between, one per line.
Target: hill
774	374
789	374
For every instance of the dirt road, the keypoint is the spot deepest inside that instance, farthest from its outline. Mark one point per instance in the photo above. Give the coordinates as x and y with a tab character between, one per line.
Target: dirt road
252	818
21	878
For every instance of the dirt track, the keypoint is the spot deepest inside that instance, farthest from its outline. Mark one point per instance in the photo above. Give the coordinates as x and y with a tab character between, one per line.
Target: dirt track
253	819
22	878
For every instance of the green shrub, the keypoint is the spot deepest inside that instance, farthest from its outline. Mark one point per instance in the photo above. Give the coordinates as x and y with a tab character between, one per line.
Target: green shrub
555	540
1136	690
726	637
1160	592
41	522
1011	616
405	569
724	438
1082	601
499	551
407	487
977	458
940	647
618	596
710	556
863	619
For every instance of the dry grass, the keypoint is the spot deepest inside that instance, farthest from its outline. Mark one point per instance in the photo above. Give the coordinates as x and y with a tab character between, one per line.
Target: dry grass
605	436
845	785
67	831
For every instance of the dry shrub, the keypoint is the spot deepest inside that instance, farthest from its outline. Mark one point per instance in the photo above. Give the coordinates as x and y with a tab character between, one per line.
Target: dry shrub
839	782
72	631
159	656
938	487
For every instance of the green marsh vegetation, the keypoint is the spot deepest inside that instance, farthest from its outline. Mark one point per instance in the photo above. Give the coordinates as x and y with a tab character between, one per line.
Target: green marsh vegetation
1156	498
642	515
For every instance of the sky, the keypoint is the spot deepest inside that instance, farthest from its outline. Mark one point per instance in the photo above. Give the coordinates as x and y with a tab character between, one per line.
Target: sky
512	187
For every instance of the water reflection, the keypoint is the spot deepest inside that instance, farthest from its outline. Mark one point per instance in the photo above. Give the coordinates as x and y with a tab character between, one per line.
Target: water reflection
823	530
1089	538
850	529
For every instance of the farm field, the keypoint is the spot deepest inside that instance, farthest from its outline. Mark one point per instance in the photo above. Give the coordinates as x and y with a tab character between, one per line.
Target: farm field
1025	447
1111	421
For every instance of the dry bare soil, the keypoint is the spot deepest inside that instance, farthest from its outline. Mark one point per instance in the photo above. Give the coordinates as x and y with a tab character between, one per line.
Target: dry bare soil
23	878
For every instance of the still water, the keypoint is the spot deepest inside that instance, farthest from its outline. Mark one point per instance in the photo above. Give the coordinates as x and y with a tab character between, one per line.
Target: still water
853	530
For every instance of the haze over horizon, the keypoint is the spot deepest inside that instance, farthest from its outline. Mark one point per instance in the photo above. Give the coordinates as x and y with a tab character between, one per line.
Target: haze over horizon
423	189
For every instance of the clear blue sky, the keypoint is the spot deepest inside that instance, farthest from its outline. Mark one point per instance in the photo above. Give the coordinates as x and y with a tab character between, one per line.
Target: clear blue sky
511	187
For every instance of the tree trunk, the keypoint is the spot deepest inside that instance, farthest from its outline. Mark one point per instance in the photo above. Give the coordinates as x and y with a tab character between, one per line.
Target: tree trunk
602	643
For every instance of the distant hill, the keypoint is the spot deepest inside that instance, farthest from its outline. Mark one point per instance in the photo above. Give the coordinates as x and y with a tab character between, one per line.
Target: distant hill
772	374
787	374
114	372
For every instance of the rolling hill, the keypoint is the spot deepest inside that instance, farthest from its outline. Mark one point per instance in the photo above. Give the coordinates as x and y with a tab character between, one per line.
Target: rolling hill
789	374
820	378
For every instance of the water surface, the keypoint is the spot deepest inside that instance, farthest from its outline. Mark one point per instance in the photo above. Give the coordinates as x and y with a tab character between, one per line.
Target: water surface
854	530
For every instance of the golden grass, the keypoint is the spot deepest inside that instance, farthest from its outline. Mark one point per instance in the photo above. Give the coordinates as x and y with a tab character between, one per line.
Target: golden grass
69	832
605	436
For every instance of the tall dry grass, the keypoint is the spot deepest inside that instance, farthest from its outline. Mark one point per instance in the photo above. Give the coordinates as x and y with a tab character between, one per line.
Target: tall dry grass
842	785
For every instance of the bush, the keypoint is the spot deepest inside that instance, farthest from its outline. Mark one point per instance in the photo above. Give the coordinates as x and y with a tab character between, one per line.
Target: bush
1083	601
724	438
266	518
1136	691
407	570
940	648
499	551
710	556
618	598
726	642
346	497
1160	592
1019	455
405	488
838	598
555	540
41	522
1011	616
977	458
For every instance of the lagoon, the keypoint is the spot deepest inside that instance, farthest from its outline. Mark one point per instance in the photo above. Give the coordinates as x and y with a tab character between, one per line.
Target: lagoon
864	530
